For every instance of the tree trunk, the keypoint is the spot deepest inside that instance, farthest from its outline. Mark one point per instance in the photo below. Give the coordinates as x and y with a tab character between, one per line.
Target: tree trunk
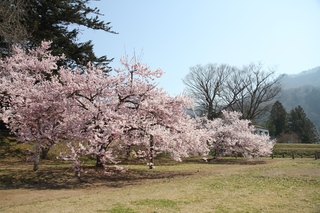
151	157
216	152
128	149
98	162
44	152
36	157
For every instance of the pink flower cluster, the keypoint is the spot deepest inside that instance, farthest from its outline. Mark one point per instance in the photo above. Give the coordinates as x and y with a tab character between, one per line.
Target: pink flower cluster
102	114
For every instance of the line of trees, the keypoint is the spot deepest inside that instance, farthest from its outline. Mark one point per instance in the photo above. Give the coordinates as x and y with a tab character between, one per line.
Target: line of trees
251	91
103	115
50	94
291	127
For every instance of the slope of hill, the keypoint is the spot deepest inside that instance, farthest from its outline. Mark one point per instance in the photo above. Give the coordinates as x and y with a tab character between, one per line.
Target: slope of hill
306	78
303	89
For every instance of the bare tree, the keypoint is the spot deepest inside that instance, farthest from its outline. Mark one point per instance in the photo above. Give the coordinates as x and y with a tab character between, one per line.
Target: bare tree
12	13
261	88
218	87
208	85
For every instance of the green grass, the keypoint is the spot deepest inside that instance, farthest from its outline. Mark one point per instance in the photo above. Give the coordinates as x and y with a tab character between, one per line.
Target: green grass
222	185
228	185
158	204
118	208
298	150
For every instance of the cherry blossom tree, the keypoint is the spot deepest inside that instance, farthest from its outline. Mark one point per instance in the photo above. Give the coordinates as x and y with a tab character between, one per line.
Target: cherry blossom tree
231	136
160	124
160	121
134	112
35	107
95	113
92	119
101	114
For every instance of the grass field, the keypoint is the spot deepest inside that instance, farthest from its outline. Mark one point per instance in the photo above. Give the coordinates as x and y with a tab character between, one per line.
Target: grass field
225	185
295	149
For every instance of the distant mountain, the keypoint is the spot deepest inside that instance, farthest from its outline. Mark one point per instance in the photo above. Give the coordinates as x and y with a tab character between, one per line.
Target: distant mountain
303	89
306	78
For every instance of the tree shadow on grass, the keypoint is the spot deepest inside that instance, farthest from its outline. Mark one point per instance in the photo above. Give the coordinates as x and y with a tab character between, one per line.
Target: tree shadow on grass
227	161
62	177
58	175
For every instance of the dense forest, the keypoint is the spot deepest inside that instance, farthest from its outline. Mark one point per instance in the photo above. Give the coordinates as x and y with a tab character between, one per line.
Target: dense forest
304	90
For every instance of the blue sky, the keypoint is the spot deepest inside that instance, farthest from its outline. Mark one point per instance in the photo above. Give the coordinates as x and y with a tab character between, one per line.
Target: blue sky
175	35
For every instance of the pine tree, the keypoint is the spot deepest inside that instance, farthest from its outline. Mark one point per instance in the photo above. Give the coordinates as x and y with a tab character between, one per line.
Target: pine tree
277	119
58	21
302	126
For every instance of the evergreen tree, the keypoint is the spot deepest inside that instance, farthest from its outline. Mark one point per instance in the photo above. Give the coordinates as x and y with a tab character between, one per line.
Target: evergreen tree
277	119
58	21
302	126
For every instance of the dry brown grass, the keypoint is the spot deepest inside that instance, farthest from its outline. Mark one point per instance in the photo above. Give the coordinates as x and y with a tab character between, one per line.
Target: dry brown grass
226	185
